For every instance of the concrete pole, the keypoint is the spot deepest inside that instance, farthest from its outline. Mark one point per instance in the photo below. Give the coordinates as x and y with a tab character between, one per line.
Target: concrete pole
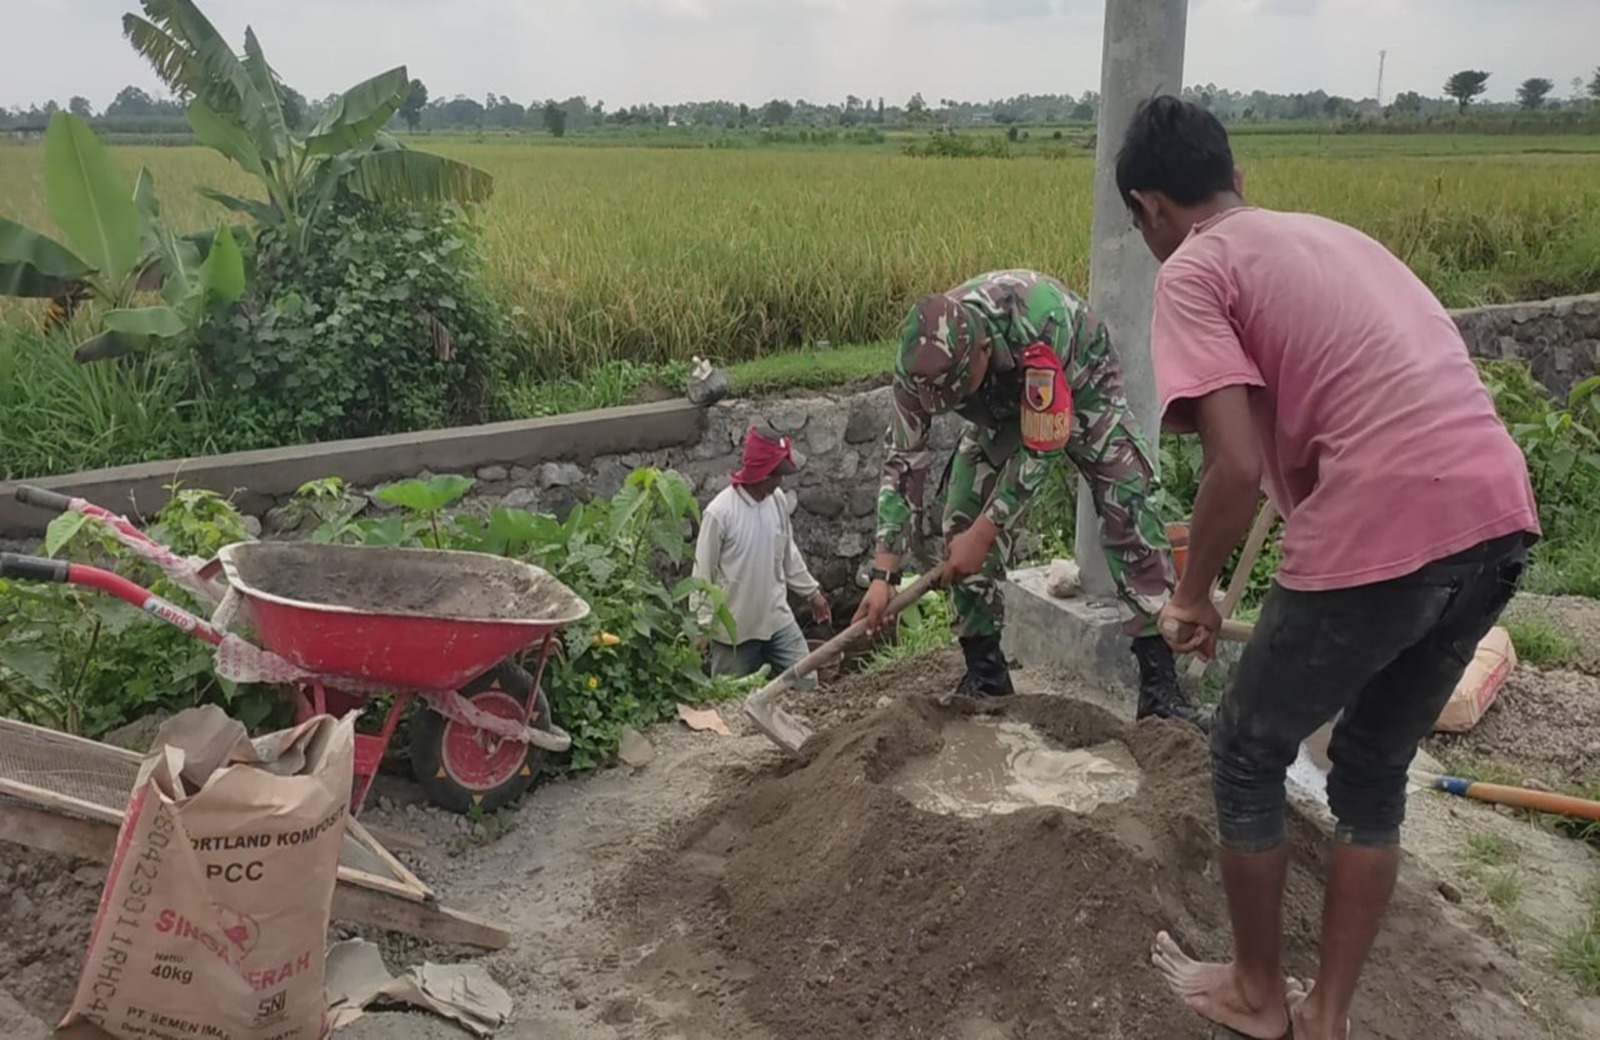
1142	57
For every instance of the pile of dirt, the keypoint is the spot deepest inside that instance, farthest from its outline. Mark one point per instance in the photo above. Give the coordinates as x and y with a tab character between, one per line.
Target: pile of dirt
406	581
1544	722
48	905
820	903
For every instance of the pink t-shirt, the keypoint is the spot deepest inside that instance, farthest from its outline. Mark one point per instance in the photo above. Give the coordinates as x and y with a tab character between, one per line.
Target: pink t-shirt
1380	445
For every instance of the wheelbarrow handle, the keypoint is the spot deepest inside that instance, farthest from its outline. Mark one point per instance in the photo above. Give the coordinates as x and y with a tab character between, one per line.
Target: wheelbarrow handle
42	498
33	568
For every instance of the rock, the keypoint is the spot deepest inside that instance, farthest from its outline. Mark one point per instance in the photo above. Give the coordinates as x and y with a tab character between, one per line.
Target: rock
21	906
707	385
283	519
850	544
945	433
635	750
788	419
16	1023
90	876
825	431
863	502
1450	891
849	465
561	474
139	734
823	501
493	474
1063	580
863	427
252	526
521	498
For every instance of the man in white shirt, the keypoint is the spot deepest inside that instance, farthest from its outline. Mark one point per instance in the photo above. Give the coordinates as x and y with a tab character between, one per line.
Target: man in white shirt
747	550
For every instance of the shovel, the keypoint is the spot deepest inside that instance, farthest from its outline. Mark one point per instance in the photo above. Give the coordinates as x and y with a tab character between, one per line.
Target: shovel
782	728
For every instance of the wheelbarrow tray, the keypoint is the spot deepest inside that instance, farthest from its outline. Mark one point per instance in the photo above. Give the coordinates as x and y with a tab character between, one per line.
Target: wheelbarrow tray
410	619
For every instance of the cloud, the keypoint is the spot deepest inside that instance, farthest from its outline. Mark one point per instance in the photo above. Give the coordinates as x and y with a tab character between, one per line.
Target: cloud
629	51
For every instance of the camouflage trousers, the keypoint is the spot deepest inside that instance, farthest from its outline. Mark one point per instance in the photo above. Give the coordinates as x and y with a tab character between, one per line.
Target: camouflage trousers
982	459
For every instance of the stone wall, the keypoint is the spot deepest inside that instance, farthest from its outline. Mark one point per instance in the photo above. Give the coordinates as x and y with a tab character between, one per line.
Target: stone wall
834	496
548	464
1559	339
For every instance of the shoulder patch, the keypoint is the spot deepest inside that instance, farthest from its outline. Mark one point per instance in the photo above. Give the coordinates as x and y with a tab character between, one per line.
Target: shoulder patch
1046	400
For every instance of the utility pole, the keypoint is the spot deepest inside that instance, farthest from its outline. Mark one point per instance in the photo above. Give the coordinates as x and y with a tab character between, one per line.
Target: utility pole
1383	57
1142	57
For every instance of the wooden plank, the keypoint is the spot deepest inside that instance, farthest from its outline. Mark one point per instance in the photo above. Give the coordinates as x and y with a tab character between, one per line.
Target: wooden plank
61	803
388	886
52	832
427	920
398	869
353	903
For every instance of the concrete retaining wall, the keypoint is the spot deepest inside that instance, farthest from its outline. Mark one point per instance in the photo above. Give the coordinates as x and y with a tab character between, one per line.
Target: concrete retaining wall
1559	339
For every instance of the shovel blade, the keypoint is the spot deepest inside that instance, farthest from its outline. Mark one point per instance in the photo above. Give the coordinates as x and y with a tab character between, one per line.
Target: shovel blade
782	728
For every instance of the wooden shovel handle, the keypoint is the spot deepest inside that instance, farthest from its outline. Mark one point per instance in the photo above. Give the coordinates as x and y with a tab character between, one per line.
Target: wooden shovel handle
907	596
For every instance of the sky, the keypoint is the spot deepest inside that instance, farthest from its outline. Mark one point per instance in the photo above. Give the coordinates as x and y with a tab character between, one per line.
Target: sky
632	51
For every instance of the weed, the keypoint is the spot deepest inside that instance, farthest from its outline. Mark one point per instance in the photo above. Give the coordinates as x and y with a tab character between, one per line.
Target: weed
1578	954
1538	641
924	627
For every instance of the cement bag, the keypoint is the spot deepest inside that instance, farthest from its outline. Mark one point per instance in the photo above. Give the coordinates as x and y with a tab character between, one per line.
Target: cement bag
214	919
1481	683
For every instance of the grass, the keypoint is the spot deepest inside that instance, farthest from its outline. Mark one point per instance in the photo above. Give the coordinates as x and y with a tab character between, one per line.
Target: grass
1538	641
811	369
1578	954
924	627
654	254
1492	861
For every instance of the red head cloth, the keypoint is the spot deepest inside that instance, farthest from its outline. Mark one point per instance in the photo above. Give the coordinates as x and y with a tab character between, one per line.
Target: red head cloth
767	453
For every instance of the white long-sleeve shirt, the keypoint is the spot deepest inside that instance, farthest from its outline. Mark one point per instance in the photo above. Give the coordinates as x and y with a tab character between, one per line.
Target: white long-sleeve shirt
747	550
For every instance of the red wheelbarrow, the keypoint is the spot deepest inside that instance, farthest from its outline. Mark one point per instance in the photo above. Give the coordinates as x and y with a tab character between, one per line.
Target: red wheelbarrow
341	624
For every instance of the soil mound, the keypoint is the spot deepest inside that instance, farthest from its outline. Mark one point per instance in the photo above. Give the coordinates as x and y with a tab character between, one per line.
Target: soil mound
822	904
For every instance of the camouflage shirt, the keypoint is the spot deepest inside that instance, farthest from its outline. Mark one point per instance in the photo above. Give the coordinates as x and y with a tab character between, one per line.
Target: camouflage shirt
1013	310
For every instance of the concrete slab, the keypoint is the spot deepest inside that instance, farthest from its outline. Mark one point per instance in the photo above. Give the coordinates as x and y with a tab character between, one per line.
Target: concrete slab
1079	638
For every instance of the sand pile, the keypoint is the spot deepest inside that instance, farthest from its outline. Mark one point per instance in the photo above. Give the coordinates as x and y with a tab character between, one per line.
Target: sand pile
821	903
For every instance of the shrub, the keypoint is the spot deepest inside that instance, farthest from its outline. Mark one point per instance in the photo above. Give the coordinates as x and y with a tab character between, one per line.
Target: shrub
381	326
83	662
959	146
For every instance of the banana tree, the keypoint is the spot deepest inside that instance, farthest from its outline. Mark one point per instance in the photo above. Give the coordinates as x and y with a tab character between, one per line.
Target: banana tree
117	250
236	107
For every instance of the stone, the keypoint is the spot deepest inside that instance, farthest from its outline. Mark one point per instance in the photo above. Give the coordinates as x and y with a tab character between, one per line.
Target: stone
707	385
850	544
521	475
635	750
864	426
862	502
493	474
849	465
252	526
521	498
285	519
788	419
823	501
946	432
560	474
17	1023
825	430
138	735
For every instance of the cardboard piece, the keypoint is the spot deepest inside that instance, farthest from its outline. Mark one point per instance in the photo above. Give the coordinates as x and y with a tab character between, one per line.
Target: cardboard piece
1480	685
702	719
463	993
214	917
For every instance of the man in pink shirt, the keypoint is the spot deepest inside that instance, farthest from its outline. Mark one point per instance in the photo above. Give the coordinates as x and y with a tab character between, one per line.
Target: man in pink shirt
1313	362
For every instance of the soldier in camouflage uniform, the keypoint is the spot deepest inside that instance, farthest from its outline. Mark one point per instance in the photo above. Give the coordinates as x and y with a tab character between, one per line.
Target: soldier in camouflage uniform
1021	358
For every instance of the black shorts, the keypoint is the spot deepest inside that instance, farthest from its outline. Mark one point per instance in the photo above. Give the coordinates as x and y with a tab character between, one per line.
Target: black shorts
1388	655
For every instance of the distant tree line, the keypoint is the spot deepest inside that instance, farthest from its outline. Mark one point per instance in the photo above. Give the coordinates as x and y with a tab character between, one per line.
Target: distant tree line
135	111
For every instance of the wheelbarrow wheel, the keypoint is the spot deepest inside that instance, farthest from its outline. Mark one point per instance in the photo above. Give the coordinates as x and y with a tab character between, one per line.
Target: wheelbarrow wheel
460	768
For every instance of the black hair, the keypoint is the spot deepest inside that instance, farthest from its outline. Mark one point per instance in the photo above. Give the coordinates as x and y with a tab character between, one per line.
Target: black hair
1176	147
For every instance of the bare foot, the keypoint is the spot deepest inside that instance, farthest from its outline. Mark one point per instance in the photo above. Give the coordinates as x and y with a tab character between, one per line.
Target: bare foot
1307	1023
1214	992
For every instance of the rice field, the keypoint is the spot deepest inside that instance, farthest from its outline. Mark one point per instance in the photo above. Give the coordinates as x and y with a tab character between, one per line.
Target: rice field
651	254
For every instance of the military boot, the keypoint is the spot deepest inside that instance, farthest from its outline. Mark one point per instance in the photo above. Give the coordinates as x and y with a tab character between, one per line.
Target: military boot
1159	692
987	672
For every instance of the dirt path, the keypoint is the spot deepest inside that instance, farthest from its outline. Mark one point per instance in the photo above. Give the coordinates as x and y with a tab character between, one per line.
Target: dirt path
721	892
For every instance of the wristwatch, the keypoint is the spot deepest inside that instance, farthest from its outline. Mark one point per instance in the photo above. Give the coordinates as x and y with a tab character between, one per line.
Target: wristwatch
879	574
